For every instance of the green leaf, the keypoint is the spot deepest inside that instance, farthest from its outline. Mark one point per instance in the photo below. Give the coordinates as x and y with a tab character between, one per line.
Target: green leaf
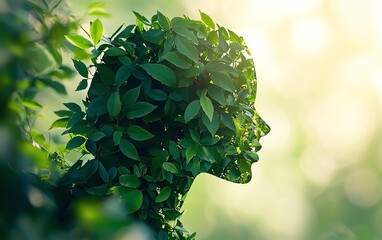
209	141
207	106
252	156
157	95
128	149
228	122
142	19
223	80
163	195
82	85
137	133
73	106
81	68
187	48
139	109
96	136
170	167
75	142
161	73
96	30
79	41
184	32
216	94
55	85
207	20
154	36
163	21
114	104
129	180
64	113
133	200
117	136
178	59
60	123
212	126
130	97
191	152
192	110
173	149
103	173
115	51
122	75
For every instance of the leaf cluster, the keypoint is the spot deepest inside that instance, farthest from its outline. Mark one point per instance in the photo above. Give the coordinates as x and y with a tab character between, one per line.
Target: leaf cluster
166	100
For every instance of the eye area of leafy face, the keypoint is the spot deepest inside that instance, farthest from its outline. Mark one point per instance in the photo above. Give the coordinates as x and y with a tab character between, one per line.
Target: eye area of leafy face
169	99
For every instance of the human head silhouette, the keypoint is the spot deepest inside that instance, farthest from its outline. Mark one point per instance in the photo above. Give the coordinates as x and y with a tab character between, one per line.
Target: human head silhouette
169	100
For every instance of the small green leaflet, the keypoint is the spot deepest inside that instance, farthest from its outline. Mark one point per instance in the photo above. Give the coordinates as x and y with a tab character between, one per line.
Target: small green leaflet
81	68
82	85
207	106
228	122
139	109
207	20
115	51
170	167
178	59
173	149
191	152
60	123
79	41
96	30
137	133
157	95
96	136
192	110
163	195
212	126
114	104
75	142
128	149
161	73
187	48
129	180
217	94
103	173
130	97
163	21
223	80
117	136
142	19
133	200
73	107
184	32
122	75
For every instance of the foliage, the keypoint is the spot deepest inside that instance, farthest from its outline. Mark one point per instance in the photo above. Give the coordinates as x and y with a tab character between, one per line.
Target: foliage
31	48
166	101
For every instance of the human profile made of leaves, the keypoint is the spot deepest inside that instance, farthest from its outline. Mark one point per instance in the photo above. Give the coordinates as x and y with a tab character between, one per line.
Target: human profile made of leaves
168	100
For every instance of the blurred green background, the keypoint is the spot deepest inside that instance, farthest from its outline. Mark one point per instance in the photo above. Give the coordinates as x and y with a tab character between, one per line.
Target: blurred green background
319	75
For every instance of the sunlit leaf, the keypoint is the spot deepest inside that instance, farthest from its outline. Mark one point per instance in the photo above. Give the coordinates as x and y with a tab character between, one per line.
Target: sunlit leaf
79	41
96	30
207	20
